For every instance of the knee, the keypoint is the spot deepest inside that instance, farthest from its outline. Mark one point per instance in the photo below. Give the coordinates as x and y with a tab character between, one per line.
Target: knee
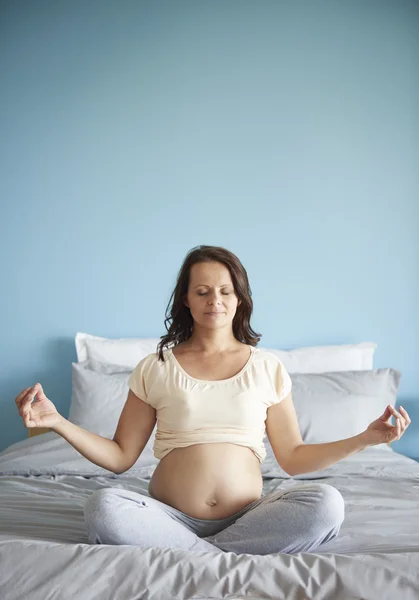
97	502
96	511
331	505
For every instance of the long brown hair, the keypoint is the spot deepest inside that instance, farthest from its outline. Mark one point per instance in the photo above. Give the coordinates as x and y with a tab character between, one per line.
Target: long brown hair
182	321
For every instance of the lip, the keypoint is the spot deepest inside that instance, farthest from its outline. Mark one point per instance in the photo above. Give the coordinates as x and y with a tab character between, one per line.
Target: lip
214	313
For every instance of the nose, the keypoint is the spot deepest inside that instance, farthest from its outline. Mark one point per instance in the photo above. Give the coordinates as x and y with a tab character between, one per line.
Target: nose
214	302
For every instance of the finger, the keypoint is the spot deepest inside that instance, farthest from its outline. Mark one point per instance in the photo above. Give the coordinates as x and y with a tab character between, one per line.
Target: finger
22	394
397	415
24	401
386	414
405	414
392	412
25	409
398	427
394	432
39	390
403	426
27	400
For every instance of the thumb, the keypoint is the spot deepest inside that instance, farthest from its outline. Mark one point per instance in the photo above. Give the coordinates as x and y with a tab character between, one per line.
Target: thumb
386	414
38	390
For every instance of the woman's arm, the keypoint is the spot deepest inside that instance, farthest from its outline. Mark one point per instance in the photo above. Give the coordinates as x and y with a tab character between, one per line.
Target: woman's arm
133	431
99	450
314	457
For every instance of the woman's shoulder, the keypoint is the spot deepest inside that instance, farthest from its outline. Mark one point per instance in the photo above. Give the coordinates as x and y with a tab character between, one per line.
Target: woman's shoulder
263	355
268	362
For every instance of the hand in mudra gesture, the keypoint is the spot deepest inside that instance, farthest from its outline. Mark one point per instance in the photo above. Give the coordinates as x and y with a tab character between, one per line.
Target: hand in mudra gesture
380	431
41	413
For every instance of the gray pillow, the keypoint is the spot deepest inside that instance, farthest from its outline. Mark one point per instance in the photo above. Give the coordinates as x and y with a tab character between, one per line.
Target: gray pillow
98	397
337	405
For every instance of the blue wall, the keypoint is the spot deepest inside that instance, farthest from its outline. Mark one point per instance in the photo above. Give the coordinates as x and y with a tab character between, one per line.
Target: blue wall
287	131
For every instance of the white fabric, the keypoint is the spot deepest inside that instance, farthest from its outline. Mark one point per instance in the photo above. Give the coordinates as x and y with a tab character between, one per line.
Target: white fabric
122	351
321	359
311	359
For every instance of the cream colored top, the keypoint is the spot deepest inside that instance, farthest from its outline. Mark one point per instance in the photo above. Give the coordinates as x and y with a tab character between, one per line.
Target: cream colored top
194	411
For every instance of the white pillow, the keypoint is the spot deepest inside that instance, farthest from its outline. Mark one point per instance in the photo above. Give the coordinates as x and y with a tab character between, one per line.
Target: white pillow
128	352
326	359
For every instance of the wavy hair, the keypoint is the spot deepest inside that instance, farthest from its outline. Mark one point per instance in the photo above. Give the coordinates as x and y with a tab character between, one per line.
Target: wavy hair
180	315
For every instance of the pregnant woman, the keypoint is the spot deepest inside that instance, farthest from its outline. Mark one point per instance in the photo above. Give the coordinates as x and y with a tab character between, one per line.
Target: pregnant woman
212	394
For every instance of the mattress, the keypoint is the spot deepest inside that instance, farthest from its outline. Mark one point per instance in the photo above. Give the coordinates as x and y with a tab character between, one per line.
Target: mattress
44	551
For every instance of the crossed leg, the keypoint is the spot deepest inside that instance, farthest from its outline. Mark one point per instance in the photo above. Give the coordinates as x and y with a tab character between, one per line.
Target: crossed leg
297	519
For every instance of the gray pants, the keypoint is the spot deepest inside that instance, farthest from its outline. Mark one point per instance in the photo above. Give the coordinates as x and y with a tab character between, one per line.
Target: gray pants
296	519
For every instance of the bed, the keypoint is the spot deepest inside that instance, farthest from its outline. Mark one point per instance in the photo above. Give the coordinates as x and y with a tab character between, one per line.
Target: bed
44	482
44	552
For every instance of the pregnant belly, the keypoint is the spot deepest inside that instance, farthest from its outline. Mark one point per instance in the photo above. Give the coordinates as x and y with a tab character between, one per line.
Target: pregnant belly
208	481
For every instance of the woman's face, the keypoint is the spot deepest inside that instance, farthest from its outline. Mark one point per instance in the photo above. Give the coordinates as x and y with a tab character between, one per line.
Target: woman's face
211	290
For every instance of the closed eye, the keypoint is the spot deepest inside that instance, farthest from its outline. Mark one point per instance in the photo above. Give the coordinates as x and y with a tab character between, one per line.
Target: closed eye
224	294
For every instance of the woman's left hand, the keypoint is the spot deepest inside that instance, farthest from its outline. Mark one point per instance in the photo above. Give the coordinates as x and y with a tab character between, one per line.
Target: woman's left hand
382	432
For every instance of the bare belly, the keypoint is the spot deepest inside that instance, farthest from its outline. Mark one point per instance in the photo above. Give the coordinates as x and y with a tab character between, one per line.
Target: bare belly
208	481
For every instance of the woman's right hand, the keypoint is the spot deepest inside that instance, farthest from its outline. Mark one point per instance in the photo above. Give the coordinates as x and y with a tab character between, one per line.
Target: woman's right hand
41	413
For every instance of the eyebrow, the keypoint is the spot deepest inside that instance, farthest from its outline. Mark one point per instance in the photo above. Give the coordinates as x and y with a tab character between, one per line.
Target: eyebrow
205	285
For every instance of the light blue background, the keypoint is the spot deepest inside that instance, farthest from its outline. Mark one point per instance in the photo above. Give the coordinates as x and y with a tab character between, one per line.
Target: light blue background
132	131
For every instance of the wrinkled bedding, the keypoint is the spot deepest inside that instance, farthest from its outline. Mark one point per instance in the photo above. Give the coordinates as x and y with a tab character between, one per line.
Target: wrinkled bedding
44	552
